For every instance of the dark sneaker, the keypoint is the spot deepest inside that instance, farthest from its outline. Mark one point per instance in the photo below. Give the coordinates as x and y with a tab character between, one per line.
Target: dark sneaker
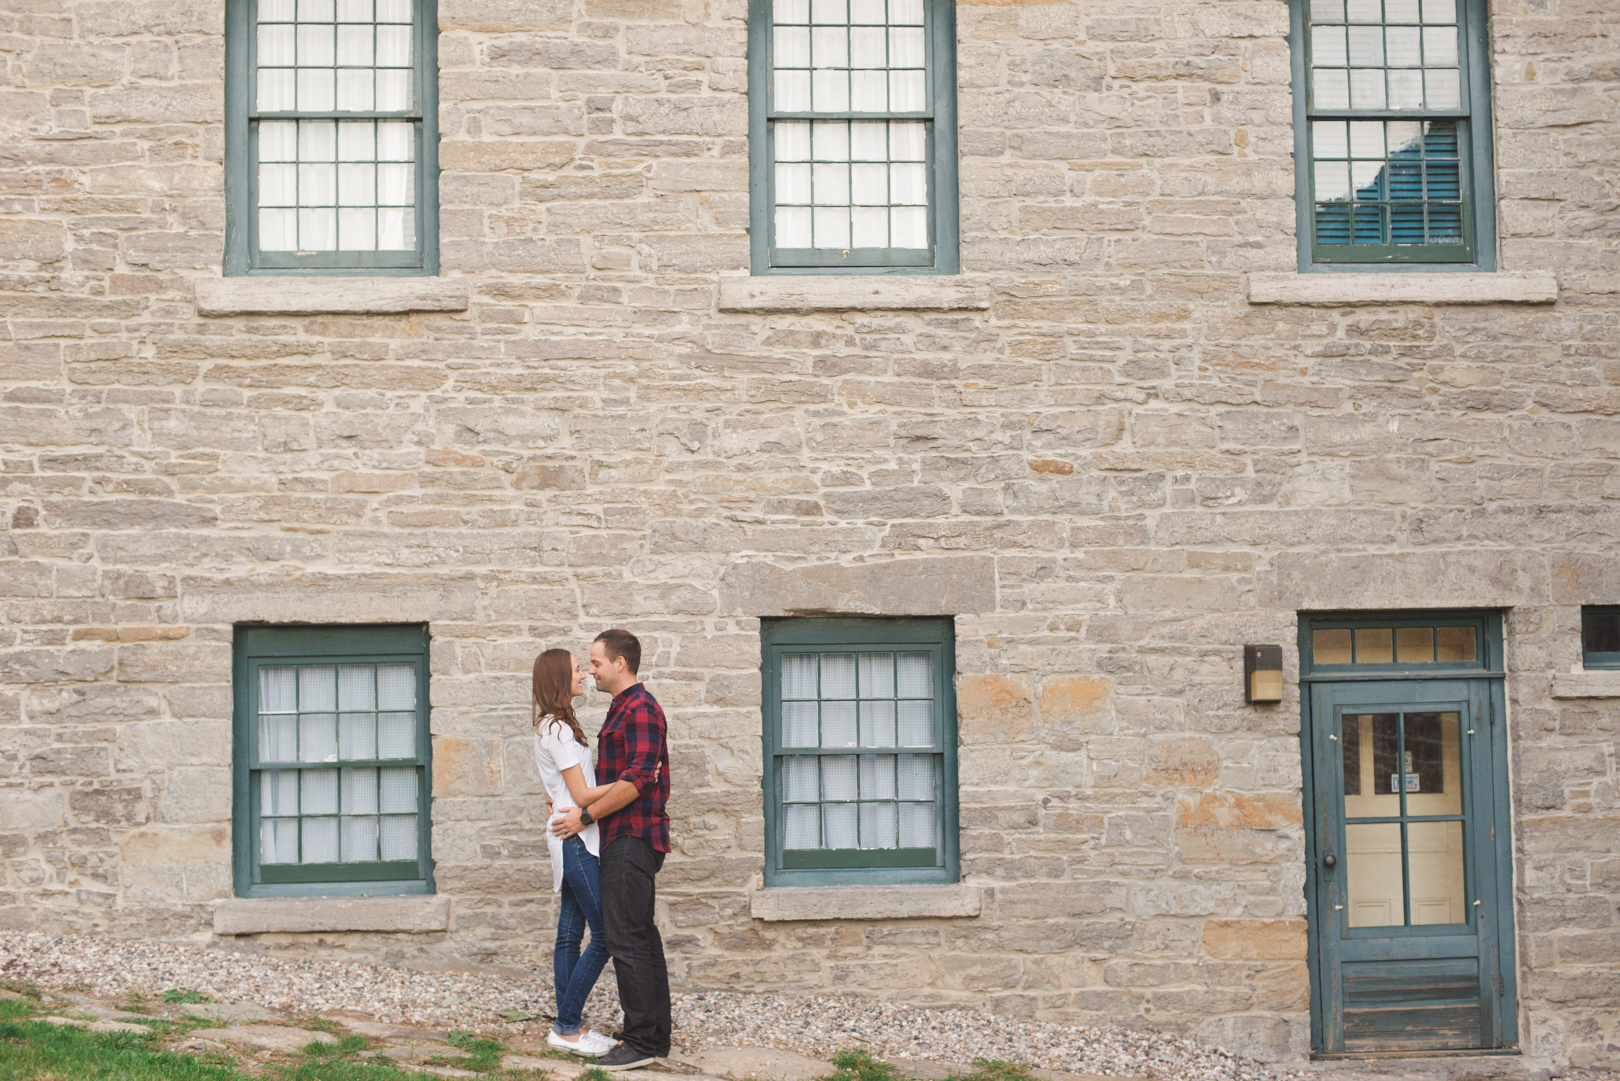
624	1057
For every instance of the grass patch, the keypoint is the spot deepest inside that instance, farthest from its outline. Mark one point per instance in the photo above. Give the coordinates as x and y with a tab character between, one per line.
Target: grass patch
860	1066
484	1053
35	1050
182	996
991	1069
596	1073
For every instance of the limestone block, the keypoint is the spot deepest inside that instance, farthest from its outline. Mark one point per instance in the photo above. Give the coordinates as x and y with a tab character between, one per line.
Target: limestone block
291	294
854	293
867	903
252	916
949	585
1255	940
1593	683
1338	290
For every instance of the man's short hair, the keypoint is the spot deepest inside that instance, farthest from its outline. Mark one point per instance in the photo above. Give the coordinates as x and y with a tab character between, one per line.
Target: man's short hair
618	644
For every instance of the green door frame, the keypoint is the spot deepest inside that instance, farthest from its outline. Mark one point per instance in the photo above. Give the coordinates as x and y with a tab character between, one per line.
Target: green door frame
1475	687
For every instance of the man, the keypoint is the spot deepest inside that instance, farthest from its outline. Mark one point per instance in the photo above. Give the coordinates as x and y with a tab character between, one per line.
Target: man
632	755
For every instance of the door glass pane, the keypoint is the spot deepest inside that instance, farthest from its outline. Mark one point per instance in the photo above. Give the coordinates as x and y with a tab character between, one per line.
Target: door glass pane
1330	647
1373	646
1371	794
1434	763
1372	865
1436	867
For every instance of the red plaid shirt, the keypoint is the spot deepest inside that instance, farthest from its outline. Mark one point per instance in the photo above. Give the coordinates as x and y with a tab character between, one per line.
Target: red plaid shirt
634	746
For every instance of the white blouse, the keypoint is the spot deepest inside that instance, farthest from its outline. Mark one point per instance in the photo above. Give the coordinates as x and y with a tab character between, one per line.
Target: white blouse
555	749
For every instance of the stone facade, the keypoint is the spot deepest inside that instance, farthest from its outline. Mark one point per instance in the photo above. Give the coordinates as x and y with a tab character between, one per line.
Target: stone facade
1113	473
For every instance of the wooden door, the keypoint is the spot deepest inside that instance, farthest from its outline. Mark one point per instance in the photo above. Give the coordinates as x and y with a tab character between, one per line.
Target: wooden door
1411	901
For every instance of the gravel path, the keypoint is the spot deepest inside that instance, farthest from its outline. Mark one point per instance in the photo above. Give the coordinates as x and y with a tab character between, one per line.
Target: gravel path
811	1024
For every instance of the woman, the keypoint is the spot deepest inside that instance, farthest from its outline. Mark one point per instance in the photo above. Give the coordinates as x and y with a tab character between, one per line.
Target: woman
564	758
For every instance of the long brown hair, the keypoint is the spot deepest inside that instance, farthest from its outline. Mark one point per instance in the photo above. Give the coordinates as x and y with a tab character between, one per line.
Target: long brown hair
554	690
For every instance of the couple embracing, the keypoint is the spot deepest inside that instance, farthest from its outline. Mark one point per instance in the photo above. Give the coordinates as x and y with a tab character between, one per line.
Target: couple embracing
609	833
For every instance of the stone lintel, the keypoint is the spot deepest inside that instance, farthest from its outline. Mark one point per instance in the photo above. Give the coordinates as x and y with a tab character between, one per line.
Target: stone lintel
1335	290
1593	683
263	915
865	292
864	902
287	294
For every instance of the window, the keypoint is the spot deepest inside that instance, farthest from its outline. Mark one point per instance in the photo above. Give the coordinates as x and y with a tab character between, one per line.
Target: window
1600	636
332	761
852	131
1397	642
331	137
860	751
1392	129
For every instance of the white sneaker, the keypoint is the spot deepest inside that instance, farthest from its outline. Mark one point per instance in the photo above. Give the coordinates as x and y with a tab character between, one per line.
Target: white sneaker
582	1047
599	1044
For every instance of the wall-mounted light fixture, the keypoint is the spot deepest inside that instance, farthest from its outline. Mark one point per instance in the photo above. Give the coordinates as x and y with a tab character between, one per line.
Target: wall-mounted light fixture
1262	673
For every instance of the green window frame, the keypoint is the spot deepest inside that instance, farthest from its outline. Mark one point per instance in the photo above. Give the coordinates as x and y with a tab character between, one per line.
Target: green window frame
860	751
1600	636
1392	135
332	761
860	150
331	137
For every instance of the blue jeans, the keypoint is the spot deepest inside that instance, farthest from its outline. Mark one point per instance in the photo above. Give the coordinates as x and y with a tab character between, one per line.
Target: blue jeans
576	971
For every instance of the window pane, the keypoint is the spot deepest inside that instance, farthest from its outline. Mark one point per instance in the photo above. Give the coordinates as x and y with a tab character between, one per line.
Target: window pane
917	825
278	792
396	735
319	792
278	689
800	779
398	790
792	91
916	724
278	840
357	229
792	47
915	774
1414	645
799	675
357	687
398	839
317	737
800	724
877	776
1373	872
839	780
916	675
839	820
1374	646
878	825
792	139
877	724
829	91
1330	647
359	840
908	226
278	739
1331	89
1328	49
359	791
793	227
1600	631
357	735
801	826
839	725
320	837
1455	644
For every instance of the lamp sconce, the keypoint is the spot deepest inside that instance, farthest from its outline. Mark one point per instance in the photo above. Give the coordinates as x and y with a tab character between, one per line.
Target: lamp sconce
1262	674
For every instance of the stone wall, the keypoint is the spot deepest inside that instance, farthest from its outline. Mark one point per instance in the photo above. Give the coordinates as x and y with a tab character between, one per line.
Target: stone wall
1113	477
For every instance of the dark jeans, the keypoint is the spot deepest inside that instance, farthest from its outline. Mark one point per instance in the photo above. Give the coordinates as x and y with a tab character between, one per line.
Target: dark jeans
581	904
629	866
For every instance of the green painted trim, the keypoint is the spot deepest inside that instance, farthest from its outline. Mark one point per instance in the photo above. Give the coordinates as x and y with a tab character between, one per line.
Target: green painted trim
944	254
848	859
257	645
392	871
1477	164
1490	804
862	866
241	151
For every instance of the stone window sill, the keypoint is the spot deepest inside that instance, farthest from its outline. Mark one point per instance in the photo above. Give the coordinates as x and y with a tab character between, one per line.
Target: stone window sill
1346	290
259	915
1592	683
317	295
864	292
800	903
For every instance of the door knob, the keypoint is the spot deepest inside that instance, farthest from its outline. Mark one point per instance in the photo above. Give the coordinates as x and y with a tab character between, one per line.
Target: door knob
1330	861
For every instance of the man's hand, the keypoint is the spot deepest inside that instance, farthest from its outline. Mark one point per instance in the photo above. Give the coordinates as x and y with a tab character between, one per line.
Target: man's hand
550	807
568	825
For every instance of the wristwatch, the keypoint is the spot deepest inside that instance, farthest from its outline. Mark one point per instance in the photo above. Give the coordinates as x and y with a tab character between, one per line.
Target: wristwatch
585	818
